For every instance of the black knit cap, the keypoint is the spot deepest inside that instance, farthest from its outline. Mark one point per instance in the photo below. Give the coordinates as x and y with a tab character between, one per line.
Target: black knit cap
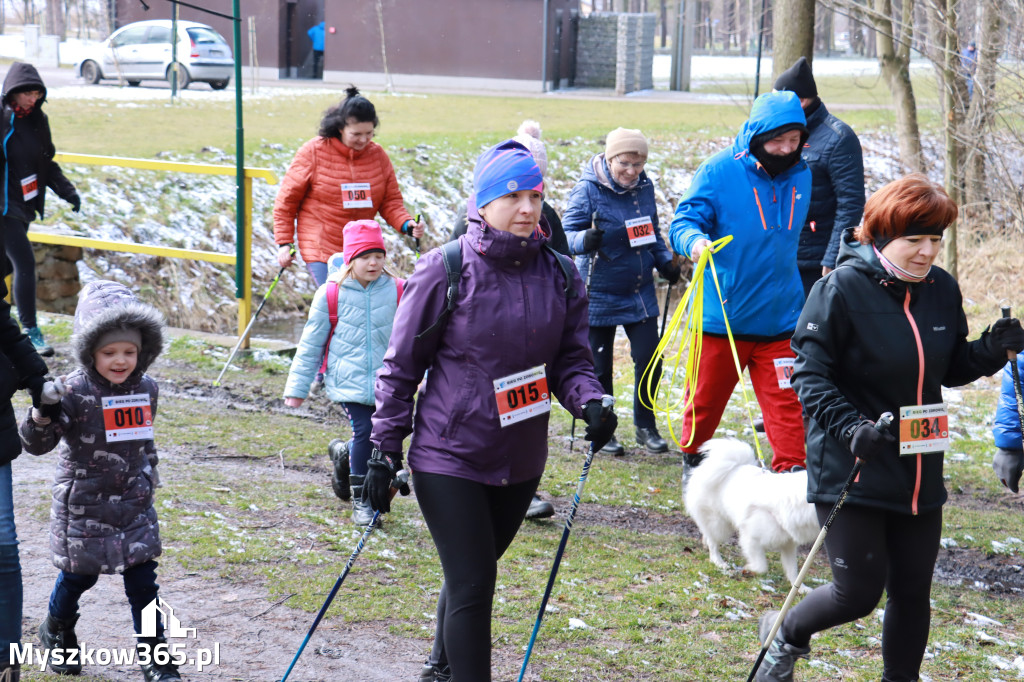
799	79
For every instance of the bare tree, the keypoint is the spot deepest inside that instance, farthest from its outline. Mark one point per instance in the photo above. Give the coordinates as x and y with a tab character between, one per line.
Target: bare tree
893	43
794	37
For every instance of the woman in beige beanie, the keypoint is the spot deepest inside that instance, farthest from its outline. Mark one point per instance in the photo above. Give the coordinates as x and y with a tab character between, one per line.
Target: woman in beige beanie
621	247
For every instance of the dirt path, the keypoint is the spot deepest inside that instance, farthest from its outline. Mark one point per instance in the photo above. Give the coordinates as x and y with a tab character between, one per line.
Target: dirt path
257	636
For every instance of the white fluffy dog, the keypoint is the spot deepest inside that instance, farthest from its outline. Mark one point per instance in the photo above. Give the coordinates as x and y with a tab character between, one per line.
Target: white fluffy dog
728	492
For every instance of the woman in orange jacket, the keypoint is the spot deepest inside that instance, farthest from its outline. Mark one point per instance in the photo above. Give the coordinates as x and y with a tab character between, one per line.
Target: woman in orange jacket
340	176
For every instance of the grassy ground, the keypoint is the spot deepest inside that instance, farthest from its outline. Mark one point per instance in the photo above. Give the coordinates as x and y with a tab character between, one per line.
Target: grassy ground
247	498
247	495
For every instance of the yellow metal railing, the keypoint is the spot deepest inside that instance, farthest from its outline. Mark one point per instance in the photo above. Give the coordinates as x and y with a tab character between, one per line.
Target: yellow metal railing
245	285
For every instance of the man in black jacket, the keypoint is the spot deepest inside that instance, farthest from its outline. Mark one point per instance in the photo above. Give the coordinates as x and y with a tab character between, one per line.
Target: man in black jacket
837	177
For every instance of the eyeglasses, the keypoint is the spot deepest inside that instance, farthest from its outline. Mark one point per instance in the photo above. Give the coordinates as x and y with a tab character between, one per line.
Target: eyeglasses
625	165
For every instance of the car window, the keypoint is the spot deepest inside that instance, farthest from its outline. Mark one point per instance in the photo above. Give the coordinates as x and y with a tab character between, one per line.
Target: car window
158	34
129	36
206	36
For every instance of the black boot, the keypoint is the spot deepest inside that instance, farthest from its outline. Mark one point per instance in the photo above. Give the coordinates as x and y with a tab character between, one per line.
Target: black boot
153	671
10	672
59	637
362	512
338	452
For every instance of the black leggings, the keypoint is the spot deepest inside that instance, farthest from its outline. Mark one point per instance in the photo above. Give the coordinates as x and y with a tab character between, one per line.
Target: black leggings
871	550
472	525
643	341
19	251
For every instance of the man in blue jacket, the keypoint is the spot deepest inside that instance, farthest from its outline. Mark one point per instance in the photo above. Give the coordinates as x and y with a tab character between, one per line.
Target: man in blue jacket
758	191
834	156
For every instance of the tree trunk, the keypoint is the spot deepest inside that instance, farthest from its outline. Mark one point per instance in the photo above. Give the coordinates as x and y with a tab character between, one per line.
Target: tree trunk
794	37
953	105
977	126
55	18
894	59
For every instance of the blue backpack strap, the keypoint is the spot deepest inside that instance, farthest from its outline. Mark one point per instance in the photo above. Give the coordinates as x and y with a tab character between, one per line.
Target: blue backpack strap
332	315
451	255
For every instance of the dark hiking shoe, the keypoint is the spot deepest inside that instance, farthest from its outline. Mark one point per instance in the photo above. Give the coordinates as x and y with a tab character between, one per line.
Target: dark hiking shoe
337	451
10	672
149	649
780	658
59	637
540	509
434	673
651	439
613	447
759	424
35	335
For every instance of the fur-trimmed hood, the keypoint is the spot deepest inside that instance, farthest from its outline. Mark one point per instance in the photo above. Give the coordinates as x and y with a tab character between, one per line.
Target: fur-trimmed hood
104	306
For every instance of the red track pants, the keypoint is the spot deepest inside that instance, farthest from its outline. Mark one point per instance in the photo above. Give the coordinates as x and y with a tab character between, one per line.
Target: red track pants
783	420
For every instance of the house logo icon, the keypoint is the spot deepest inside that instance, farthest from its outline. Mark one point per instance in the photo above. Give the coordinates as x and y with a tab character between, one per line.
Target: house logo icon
172	626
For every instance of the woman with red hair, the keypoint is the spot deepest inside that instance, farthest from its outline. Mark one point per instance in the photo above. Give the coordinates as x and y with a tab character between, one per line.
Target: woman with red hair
883	332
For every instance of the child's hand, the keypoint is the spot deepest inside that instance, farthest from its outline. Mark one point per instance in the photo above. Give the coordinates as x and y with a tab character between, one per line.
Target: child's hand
293	402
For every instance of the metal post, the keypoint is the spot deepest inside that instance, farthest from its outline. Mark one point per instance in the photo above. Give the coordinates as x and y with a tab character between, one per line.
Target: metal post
243	268
174	52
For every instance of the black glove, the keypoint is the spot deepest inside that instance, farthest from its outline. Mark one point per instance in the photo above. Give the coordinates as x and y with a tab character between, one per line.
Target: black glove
76	202
1005	335
600	424
383	466
670	271
35	384
592	240
868	442
1008	465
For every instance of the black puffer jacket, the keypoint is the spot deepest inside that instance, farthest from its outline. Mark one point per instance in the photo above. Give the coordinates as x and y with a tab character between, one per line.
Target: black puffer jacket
29	148
18	362
834	156
865	344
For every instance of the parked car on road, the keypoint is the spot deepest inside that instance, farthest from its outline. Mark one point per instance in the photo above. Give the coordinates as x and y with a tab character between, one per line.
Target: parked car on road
142	51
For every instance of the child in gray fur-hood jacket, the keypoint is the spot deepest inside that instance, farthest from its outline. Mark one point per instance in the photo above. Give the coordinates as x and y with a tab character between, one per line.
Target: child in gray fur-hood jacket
102	514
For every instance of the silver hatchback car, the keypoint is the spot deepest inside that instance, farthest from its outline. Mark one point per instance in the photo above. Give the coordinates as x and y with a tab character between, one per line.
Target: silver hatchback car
142	51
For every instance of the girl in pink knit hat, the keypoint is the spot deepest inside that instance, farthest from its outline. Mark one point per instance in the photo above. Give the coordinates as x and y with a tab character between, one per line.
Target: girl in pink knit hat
345	337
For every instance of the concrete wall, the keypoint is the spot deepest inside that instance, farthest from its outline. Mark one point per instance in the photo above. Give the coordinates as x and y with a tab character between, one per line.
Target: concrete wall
616	50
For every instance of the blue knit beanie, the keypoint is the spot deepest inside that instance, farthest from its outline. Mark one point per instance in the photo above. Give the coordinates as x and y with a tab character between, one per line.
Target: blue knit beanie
505	168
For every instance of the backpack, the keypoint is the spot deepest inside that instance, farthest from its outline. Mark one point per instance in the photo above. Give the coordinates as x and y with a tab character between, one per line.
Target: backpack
451	254
332	314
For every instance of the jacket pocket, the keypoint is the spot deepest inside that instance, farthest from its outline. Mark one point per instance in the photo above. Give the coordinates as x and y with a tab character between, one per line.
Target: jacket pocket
463	401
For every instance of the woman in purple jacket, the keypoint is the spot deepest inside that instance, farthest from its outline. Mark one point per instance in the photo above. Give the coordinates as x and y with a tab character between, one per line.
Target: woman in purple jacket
517	335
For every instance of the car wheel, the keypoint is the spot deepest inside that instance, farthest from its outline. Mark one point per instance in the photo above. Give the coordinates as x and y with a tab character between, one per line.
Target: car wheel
219	85
183	78
134	84
91	72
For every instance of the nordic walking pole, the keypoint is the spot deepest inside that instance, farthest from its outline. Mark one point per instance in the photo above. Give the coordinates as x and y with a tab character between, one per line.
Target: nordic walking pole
607	402
419	216
882	424
245	334
586	286
664	315
1012	357
401	479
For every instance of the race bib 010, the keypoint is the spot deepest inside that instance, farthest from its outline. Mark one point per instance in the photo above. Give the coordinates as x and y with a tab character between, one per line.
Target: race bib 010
784	371
127	417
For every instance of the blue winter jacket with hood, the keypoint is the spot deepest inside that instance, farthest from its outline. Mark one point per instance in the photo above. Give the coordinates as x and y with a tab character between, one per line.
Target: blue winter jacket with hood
1006	428
732	194
622	286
